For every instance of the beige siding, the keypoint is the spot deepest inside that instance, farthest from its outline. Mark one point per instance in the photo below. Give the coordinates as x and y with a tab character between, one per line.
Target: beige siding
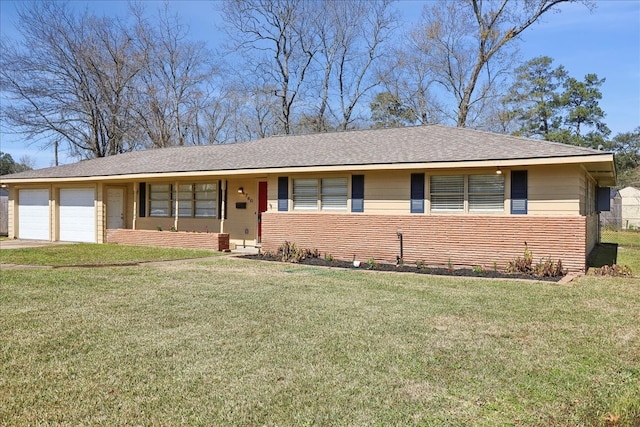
242	224
387	192
555	190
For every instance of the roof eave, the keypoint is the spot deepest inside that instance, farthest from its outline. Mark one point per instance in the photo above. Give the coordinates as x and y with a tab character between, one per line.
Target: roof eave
606	158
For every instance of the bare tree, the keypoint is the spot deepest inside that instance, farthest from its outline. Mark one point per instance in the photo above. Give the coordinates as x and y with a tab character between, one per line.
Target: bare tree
175	85
352	35
407	76
70	78
467	43
277	39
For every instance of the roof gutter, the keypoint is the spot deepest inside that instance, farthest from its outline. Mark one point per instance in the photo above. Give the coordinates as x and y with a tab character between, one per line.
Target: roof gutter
604	157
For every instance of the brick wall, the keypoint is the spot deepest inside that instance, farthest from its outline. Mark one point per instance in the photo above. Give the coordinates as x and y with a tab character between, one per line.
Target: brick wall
213	241
466	240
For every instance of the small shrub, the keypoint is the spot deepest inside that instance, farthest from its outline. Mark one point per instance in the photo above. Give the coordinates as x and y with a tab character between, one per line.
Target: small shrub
290	252
372	264
420	265
477	269
450	265
522	265
545	268
328	257
614	270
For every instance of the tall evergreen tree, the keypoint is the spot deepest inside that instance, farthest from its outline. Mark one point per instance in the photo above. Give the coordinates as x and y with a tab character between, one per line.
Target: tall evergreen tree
535	97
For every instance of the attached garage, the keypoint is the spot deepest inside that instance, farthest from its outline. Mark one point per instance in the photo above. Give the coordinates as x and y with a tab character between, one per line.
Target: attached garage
77	215
33	214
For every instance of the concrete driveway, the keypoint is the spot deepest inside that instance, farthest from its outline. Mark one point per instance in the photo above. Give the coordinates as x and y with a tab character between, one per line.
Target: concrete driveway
19	244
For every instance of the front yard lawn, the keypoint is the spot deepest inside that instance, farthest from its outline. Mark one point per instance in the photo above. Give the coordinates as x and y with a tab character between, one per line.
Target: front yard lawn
93	254
236	342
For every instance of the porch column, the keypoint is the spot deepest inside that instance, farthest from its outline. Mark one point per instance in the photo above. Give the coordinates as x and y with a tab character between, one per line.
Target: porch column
223	184
175	194
136	185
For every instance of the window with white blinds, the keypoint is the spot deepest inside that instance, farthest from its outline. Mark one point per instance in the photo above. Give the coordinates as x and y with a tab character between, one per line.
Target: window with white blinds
185	197
205	200
486	193
331	192
193	200
160	200
305	194
447	193
334	194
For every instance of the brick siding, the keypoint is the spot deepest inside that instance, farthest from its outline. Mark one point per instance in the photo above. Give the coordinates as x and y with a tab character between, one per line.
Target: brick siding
465	240
212	241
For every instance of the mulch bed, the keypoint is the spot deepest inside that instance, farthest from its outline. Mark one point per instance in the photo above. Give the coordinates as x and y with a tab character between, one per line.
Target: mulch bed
439	271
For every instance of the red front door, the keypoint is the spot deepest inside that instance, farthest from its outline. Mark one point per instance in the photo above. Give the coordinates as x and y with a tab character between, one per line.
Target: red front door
262	206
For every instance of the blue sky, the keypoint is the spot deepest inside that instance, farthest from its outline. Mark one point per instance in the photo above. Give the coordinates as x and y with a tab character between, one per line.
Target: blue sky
605	42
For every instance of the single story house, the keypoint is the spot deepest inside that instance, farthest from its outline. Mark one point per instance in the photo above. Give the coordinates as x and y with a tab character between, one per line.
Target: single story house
428	193
630	208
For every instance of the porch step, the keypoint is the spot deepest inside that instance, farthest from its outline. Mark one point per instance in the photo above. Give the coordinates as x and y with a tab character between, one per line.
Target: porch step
248	250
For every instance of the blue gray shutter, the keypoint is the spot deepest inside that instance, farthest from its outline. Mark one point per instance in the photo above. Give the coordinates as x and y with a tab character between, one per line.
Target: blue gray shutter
417	193
142	200
519	192
283	193
603	203
357	193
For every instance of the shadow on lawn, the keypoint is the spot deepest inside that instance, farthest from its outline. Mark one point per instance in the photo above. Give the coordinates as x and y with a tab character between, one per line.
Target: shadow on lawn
603	254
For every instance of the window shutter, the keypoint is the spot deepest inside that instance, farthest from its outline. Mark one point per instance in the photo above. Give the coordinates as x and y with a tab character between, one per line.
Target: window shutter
357	193
603	203
283	193
519	192
417	193
142	200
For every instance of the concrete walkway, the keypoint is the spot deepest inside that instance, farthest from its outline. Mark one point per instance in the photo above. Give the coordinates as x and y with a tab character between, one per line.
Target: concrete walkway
21	244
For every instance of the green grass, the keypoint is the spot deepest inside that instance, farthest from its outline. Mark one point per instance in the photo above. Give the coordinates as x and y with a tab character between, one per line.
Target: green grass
234	342
621	246
622	238
93	254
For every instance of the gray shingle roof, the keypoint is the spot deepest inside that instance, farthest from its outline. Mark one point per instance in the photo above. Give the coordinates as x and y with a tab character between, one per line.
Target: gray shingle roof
420	144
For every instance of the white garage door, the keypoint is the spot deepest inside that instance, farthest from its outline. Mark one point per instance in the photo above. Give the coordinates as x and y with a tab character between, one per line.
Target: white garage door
33	214
77	215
